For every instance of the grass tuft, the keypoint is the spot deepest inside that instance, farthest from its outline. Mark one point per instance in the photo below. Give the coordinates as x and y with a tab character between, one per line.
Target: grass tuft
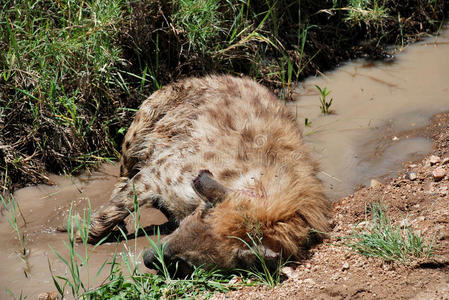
387	241
370	13
325	104
264	272
200	21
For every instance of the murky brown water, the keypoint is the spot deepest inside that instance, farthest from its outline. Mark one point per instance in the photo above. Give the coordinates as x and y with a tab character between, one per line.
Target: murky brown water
375	106
45	208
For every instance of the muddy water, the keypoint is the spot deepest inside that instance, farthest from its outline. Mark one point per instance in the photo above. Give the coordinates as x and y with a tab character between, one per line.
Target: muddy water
377	110
44	209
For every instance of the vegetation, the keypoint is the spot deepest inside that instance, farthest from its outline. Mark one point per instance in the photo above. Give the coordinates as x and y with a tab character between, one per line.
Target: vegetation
13	210
264	271
325	104
387	241
73	72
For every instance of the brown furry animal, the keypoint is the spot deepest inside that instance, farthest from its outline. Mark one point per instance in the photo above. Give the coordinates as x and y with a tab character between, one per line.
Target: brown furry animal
225	158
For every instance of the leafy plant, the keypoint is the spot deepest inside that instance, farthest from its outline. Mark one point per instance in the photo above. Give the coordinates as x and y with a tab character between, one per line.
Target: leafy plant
325	104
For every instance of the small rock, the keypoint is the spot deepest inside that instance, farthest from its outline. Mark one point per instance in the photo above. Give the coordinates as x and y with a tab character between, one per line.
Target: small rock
235	280
395	138
445	160
443	191
438	173
309	281
412	166
433	159
345	266
289	272
308	266
363	224
405	223
375	183
411	176
48	296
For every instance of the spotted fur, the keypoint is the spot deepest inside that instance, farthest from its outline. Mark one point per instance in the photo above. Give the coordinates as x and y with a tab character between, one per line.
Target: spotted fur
240	132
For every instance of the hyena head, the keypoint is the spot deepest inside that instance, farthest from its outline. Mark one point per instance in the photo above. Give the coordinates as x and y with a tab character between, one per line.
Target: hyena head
196	243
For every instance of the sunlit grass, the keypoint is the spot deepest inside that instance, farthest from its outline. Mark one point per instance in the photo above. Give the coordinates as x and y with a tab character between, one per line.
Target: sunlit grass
387	241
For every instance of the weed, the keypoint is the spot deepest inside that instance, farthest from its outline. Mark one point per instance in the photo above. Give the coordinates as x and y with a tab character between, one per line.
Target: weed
307	122
59	70
367	12
389	242
265	272
200	20
77	228
13	209
325	105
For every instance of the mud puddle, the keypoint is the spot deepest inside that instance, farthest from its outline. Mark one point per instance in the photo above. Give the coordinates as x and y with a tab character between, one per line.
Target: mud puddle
378	109
376	113
44	209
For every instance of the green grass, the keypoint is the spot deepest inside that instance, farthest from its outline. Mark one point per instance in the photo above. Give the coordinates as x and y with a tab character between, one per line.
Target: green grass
12	208
325	103
387	241
263	271
368	12
201	22
78	261
61	68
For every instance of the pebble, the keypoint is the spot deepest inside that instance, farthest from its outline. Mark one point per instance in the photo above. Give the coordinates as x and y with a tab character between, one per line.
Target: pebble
345	266
375	183
411	176
48	296
289	272
445	160
309	281
235	280
438	173
433	159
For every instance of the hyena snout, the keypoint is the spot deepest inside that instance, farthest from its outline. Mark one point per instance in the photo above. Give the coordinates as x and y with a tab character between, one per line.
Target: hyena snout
154	260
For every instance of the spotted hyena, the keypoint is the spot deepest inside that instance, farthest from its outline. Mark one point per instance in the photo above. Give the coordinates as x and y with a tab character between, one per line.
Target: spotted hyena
223	159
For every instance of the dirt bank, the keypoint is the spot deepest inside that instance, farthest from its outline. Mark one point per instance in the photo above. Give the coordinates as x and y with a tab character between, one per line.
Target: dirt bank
334	272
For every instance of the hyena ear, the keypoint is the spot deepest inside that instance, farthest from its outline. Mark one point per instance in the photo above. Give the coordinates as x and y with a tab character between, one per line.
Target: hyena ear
208	189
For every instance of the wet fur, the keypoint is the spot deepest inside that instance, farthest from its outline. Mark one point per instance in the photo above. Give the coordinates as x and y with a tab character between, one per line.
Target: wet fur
240	132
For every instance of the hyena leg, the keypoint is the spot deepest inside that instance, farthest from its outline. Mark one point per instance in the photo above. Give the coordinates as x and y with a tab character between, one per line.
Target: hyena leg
120	206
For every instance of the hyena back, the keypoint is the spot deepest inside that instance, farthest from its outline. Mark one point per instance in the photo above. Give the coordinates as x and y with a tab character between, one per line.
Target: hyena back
223	158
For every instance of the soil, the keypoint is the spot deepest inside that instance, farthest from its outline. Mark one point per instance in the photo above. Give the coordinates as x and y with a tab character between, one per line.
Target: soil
333	271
